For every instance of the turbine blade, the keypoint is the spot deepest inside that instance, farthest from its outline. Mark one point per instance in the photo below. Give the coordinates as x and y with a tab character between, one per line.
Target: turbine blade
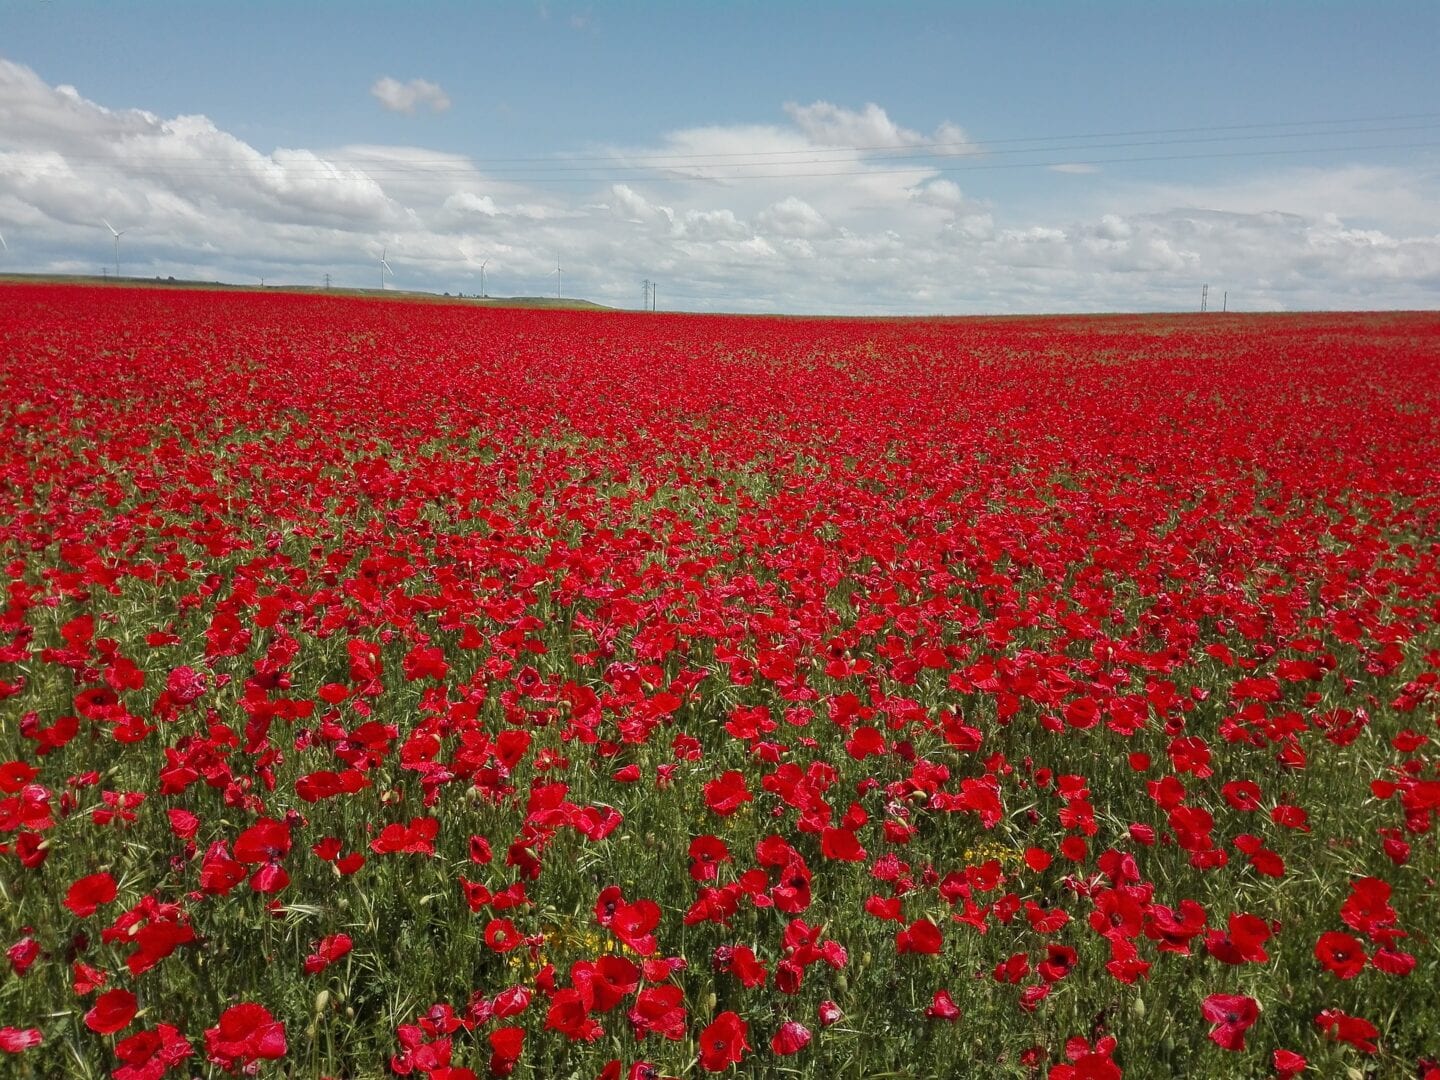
110	227
3	245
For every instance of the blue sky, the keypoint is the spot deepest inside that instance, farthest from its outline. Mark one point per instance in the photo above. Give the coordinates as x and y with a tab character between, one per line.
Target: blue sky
597	98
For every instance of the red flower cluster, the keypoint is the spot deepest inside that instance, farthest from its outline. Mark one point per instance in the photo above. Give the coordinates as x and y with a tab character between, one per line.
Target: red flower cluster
627	685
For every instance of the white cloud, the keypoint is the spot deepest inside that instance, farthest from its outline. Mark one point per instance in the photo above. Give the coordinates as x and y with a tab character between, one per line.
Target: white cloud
793	217
942	193
711	225
406	97
870	128
1076	168
197	201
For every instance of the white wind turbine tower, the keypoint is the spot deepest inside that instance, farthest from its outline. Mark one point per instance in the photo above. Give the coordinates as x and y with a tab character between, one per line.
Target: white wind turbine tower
559	281
384	268
116	234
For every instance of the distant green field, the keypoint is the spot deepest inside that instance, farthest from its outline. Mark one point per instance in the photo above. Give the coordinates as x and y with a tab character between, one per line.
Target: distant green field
558	303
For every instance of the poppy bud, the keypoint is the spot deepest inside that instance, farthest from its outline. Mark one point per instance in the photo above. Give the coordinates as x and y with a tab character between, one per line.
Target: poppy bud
322	999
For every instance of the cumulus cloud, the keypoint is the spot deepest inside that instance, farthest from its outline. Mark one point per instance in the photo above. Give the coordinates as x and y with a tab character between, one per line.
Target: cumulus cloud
812	212
405	97
869	128
793	217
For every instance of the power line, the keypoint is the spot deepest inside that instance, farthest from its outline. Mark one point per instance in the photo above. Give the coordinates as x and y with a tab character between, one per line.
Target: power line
919	148
932	169
657	177
973	168
411	170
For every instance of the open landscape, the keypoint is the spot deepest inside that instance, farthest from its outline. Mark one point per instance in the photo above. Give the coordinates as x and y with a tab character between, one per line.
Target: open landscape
443	691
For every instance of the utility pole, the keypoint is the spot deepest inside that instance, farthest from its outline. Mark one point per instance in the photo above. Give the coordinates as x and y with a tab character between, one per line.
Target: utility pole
327	282
654	294
645	292
1225	301
1204	297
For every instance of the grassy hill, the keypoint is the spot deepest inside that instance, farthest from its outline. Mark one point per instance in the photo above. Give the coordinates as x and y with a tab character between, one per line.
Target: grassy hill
558	303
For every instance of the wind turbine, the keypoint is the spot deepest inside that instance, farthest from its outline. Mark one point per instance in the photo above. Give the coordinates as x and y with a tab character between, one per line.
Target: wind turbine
559	280
3	245
384	268
116	234
482	278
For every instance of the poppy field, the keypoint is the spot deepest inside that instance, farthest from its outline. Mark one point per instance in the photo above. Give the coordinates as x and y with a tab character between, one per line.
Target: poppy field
405	689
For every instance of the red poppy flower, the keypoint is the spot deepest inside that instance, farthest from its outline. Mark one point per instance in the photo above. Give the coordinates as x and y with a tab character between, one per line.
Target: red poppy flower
23	954
264	841
723	1042
842	845
1355	1030
417	838
87	894
1242	794
1243	943
15	1040
1058	962
1340	954
569	1016
606	982
185	685
921	936
506	1045
706	855
149	1055
1288	1064
1392	961
942	1007
183	823
87	979
245	1034
741	962
631	923
727	793
1038	859
113	1010
502	936
1086	1062
327	951
219	873
790	1039
659	1009
1232	1015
